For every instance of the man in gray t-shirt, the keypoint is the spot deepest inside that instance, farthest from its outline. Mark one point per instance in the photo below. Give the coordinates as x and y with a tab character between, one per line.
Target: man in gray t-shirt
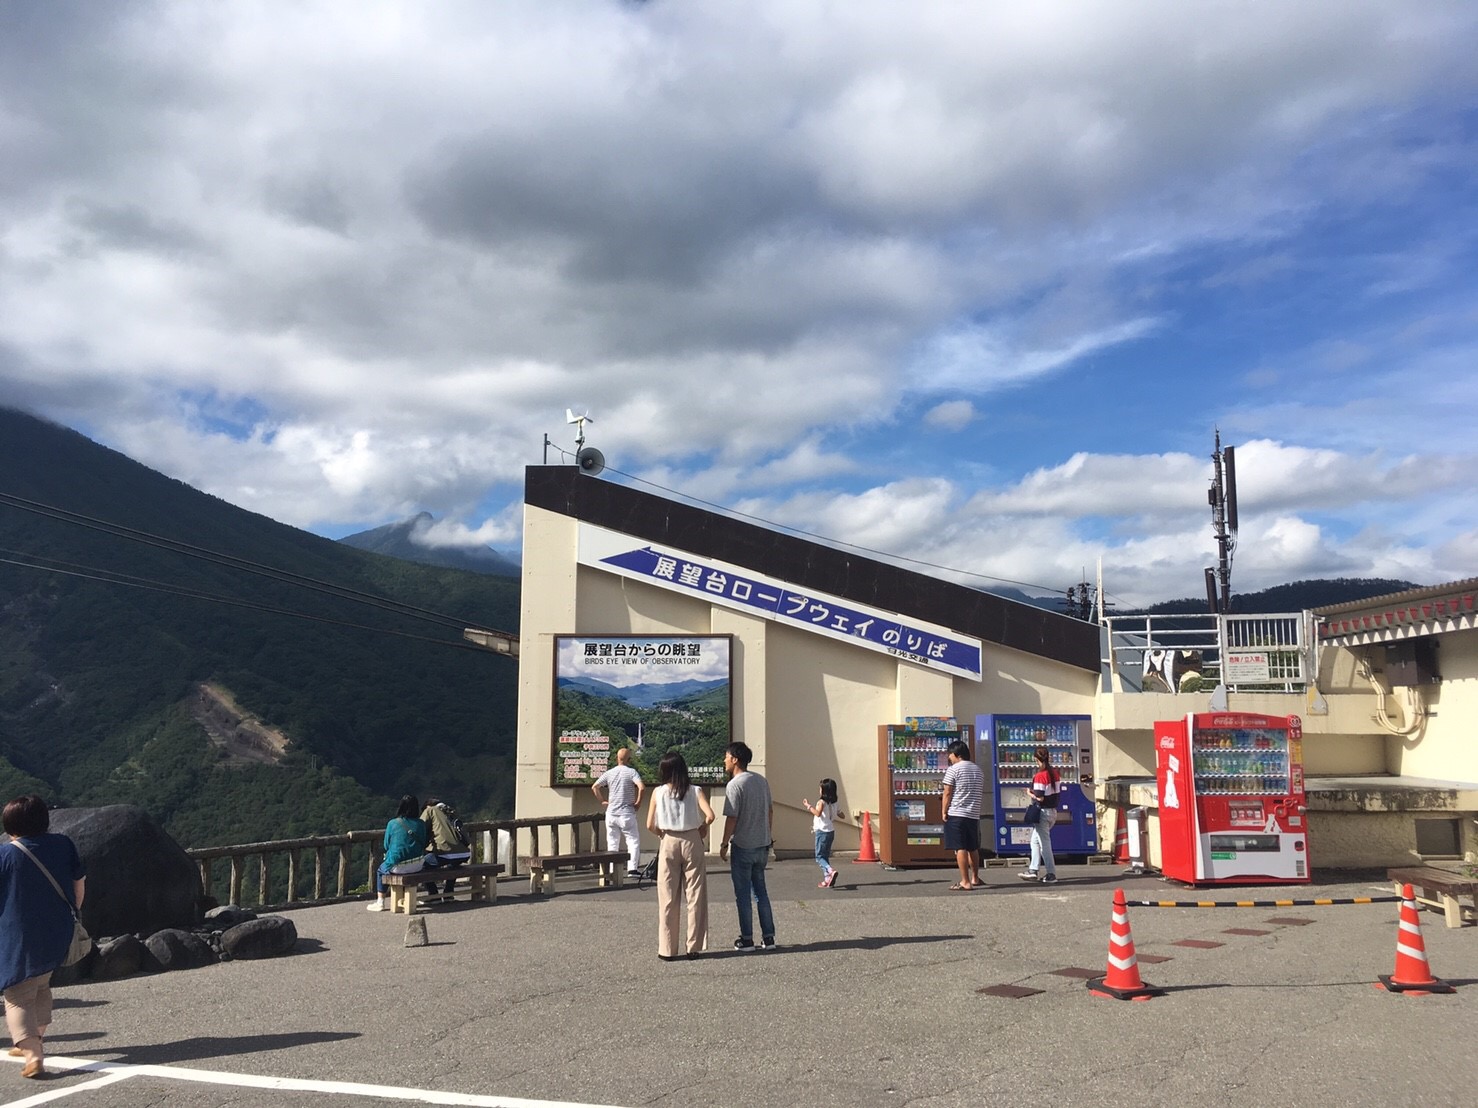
750	816
623	785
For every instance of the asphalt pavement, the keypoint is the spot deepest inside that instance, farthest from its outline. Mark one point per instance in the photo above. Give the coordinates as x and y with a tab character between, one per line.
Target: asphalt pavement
874	997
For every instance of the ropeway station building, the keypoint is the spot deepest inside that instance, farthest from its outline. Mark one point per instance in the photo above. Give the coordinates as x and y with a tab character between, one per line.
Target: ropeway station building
820	647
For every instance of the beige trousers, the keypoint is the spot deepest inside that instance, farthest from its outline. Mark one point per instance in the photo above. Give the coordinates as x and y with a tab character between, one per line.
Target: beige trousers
682	873
28	1007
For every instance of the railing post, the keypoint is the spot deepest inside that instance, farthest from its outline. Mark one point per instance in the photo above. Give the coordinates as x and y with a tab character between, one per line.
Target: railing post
344	849
262	887
318	873
292	876
235	880
205	868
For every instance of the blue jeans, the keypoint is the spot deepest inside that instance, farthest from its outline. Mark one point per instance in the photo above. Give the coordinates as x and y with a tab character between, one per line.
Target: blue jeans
747	868
824	839
1042	842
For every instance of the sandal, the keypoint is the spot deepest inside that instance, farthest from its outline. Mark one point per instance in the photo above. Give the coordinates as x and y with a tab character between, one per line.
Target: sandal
958	888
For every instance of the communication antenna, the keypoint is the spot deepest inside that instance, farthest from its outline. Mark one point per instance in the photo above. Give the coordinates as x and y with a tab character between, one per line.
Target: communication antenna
590	460
1223	499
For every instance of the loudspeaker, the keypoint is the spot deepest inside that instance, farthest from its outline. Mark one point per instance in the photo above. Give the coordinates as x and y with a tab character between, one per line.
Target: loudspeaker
590	460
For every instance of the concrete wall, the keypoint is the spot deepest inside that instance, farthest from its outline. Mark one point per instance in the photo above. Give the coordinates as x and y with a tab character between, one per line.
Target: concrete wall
1444	748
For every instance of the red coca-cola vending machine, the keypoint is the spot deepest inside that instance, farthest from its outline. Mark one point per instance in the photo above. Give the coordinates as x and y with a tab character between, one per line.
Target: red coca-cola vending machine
1232	799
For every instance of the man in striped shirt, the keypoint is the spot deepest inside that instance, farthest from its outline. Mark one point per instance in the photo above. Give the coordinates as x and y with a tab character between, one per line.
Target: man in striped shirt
964	789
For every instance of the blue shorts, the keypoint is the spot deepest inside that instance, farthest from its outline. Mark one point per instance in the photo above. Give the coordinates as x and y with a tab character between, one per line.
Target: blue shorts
961	833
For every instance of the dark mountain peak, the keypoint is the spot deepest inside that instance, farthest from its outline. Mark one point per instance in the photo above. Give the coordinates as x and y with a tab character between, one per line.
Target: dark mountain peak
404	540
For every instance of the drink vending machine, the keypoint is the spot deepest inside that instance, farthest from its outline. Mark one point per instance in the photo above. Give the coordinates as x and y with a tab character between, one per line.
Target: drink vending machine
1231	790
912	762
1013	741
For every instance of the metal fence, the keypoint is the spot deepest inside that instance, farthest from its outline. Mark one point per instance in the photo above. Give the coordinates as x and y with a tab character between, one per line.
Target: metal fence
1194	653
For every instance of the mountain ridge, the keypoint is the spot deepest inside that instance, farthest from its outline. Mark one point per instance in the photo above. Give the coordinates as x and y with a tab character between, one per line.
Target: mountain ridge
399	540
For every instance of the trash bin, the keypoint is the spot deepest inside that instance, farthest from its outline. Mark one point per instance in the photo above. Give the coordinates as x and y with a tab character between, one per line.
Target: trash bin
1137	822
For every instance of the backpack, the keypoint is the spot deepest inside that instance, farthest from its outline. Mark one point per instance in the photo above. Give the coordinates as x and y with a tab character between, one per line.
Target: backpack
455	823
648	872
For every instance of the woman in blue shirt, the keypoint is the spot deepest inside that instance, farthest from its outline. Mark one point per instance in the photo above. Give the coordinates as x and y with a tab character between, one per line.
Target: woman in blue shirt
405	847
35	923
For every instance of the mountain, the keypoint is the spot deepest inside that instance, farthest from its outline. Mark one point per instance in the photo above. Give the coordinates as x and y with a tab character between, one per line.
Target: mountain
406	540
645	695
240	679
1294	597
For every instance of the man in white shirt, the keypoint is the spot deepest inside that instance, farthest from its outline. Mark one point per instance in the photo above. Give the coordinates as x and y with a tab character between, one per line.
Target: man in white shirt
619	789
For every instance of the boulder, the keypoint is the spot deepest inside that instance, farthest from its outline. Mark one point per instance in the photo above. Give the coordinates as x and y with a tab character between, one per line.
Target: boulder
138	878
227	916
119	957
260	938
173	948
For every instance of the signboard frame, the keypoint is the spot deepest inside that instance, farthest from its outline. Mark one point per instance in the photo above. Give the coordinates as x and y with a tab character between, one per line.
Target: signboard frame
622	703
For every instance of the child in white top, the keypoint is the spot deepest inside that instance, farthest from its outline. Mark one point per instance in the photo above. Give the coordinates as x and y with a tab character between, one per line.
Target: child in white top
823	823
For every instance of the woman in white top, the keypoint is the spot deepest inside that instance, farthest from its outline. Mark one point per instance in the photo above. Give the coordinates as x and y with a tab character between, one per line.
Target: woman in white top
823	823
680	816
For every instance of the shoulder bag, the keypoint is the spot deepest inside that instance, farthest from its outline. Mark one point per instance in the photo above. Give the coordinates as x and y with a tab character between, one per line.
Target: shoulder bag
81	940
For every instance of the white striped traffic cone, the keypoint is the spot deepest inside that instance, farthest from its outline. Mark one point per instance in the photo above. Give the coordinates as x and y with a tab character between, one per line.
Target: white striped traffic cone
1122	982
1412	975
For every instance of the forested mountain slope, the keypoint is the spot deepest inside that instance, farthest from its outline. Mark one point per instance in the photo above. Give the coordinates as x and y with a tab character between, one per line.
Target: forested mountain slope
101	682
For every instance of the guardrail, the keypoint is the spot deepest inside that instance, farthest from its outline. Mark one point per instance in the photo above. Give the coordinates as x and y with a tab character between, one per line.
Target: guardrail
1185	653
342	867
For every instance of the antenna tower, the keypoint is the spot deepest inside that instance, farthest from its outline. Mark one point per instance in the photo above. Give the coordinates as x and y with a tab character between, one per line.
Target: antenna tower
1223	499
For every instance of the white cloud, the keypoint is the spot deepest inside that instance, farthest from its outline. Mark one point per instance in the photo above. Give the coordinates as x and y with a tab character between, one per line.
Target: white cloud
952	415
340	263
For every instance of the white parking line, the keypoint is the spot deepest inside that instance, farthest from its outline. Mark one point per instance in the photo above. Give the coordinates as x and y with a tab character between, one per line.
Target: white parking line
113	1071
56	1094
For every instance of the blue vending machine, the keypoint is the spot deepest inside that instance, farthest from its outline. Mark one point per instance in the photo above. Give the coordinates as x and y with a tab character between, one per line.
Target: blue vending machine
1011	741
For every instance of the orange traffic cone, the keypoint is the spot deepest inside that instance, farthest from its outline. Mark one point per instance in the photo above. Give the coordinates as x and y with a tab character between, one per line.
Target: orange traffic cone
1121	836
868	853
1412	975
1122	982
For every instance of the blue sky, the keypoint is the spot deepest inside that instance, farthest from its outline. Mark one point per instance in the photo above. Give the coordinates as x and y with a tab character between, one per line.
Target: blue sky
970	284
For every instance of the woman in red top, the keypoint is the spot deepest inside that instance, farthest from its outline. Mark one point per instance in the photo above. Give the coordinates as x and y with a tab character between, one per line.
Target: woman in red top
1044	789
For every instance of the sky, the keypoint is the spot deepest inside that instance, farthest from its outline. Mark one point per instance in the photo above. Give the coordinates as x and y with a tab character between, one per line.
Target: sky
970	284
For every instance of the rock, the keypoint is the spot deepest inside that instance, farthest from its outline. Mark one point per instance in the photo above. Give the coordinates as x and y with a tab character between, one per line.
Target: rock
119	957
227	916
173	948
415	932
260	938
138	878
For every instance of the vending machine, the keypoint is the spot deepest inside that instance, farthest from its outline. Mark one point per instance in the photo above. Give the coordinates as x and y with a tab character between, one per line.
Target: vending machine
1013	741
912	760
1232	798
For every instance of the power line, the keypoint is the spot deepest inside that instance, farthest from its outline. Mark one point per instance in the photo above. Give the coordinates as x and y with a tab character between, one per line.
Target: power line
827	539
112	578
230	561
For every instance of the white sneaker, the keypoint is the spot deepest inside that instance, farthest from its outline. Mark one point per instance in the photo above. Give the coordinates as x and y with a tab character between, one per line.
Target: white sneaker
1028	875
375	907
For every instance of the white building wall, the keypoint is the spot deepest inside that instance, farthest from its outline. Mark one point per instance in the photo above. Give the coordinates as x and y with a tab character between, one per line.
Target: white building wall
809	706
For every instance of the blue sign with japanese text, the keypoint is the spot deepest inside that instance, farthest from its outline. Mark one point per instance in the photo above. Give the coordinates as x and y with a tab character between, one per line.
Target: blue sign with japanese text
915	642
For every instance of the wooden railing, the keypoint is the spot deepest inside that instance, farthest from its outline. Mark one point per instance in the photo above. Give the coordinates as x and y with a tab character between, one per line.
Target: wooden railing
343	866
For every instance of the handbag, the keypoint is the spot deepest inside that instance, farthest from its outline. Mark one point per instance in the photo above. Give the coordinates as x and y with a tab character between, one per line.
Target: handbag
1033	814
81	940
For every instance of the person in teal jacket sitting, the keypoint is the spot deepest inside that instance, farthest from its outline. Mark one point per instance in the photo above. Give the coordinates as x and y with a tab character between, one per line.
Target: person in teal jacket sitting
405	847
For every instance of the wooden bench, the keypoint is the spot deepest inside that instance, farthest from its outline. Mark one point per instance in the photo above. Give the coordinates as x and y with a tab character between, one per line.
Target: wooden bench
1440	889
610	866
482	883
